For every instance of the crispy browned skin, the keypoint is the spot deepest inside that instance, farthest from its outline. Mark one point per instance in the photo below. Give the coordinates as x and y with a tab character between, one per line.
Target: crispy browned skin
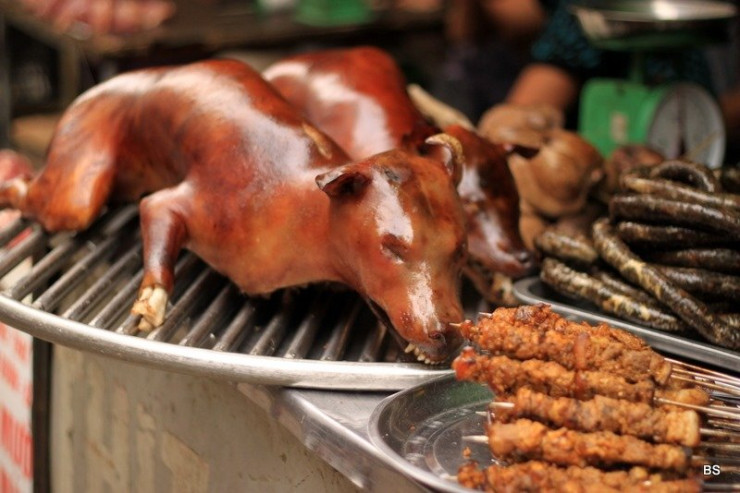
232	170
535	331
525	440
536	476
604	414
358	97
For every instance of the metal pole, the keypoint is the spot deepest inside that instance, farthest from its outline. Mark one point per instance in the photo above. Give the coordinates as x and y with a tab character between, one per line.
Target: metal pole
5	96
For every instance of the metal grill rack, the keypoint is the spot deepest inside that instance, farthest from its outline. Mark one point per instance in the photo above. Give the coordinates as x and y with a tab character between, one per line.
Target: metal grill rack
77	290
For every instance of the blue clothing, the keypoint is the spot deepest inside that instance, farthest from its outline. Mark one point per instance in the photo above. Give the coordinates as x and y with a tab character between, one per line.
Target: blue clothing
563	44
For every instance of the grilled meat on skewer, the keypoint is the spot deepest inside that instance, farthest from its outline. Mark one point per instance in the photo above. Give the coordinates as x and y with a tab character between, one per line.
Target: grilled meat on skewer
537	332
603	414
541	476
525	439
505	375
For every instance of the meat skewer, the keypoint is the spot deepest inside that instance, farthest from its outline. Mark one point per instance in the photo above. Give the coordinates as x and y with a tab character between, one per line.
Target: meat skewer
537	332
526	439
505	376
541	476
603	414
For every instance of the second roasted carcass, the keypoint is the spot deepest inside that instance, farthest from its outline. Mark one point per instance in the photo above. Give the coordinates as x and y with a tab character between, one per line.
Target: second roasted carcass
233	172
358	97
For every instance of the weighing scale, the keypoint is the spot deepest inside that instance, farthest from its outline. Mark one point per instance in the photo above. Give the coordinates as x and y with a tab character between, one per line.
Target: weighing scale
675	119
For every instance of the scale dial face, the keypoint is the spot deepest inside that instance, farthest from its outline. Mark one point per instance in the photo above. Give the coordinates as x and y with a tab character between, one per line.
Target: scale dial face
688	123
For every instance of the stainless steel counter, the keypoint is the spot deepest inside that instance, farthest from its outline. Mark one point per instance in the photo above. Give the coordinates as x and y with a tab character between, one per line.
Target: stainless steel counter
333	425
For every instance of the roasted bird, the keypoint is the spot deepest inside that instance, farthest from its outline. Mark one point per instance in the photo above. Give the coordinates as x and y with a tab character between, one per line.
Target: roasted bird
232	172
358	97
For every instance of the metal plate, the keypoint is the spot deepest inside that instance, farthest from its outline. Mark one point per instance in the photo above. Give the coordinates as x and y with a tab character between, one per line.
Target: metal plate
421	430
532	290
653	24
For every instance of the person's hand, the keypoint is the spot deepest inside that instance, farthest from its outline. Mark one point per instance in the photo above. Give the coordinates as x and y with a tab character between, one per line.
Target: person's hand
84	18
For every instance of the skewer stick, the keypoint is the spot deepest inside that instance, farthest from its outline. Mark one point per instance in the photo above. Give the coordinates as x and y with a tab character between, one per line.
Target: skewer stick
725	447
710	411
703	371
712	487
734	382
710	432
716	386
482	439
732	425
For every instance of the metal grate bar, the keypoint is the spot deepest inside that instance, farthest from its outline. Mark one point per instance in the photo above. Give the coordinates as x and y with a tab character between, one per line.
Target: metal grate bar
269	338
13	229
337	343
373	343
215	312
55	260
238	329
92	279
74	276
25	248
305	334
102	287
44	269
123	300
118	304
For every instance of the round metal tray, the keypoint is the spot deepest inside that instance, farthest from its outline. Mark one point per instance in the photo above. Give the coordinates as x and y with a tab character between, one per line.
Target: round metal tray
421	430
76	290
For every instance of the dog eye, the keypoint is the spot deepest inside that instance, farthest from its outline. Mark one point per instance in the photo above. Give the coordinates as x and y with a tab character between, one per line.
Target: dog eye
394	248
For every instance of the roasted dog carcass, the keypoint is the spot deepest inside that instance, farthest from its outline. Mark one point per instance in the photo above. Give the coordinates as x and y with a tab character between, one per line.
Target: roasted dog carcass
230	171
358	97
